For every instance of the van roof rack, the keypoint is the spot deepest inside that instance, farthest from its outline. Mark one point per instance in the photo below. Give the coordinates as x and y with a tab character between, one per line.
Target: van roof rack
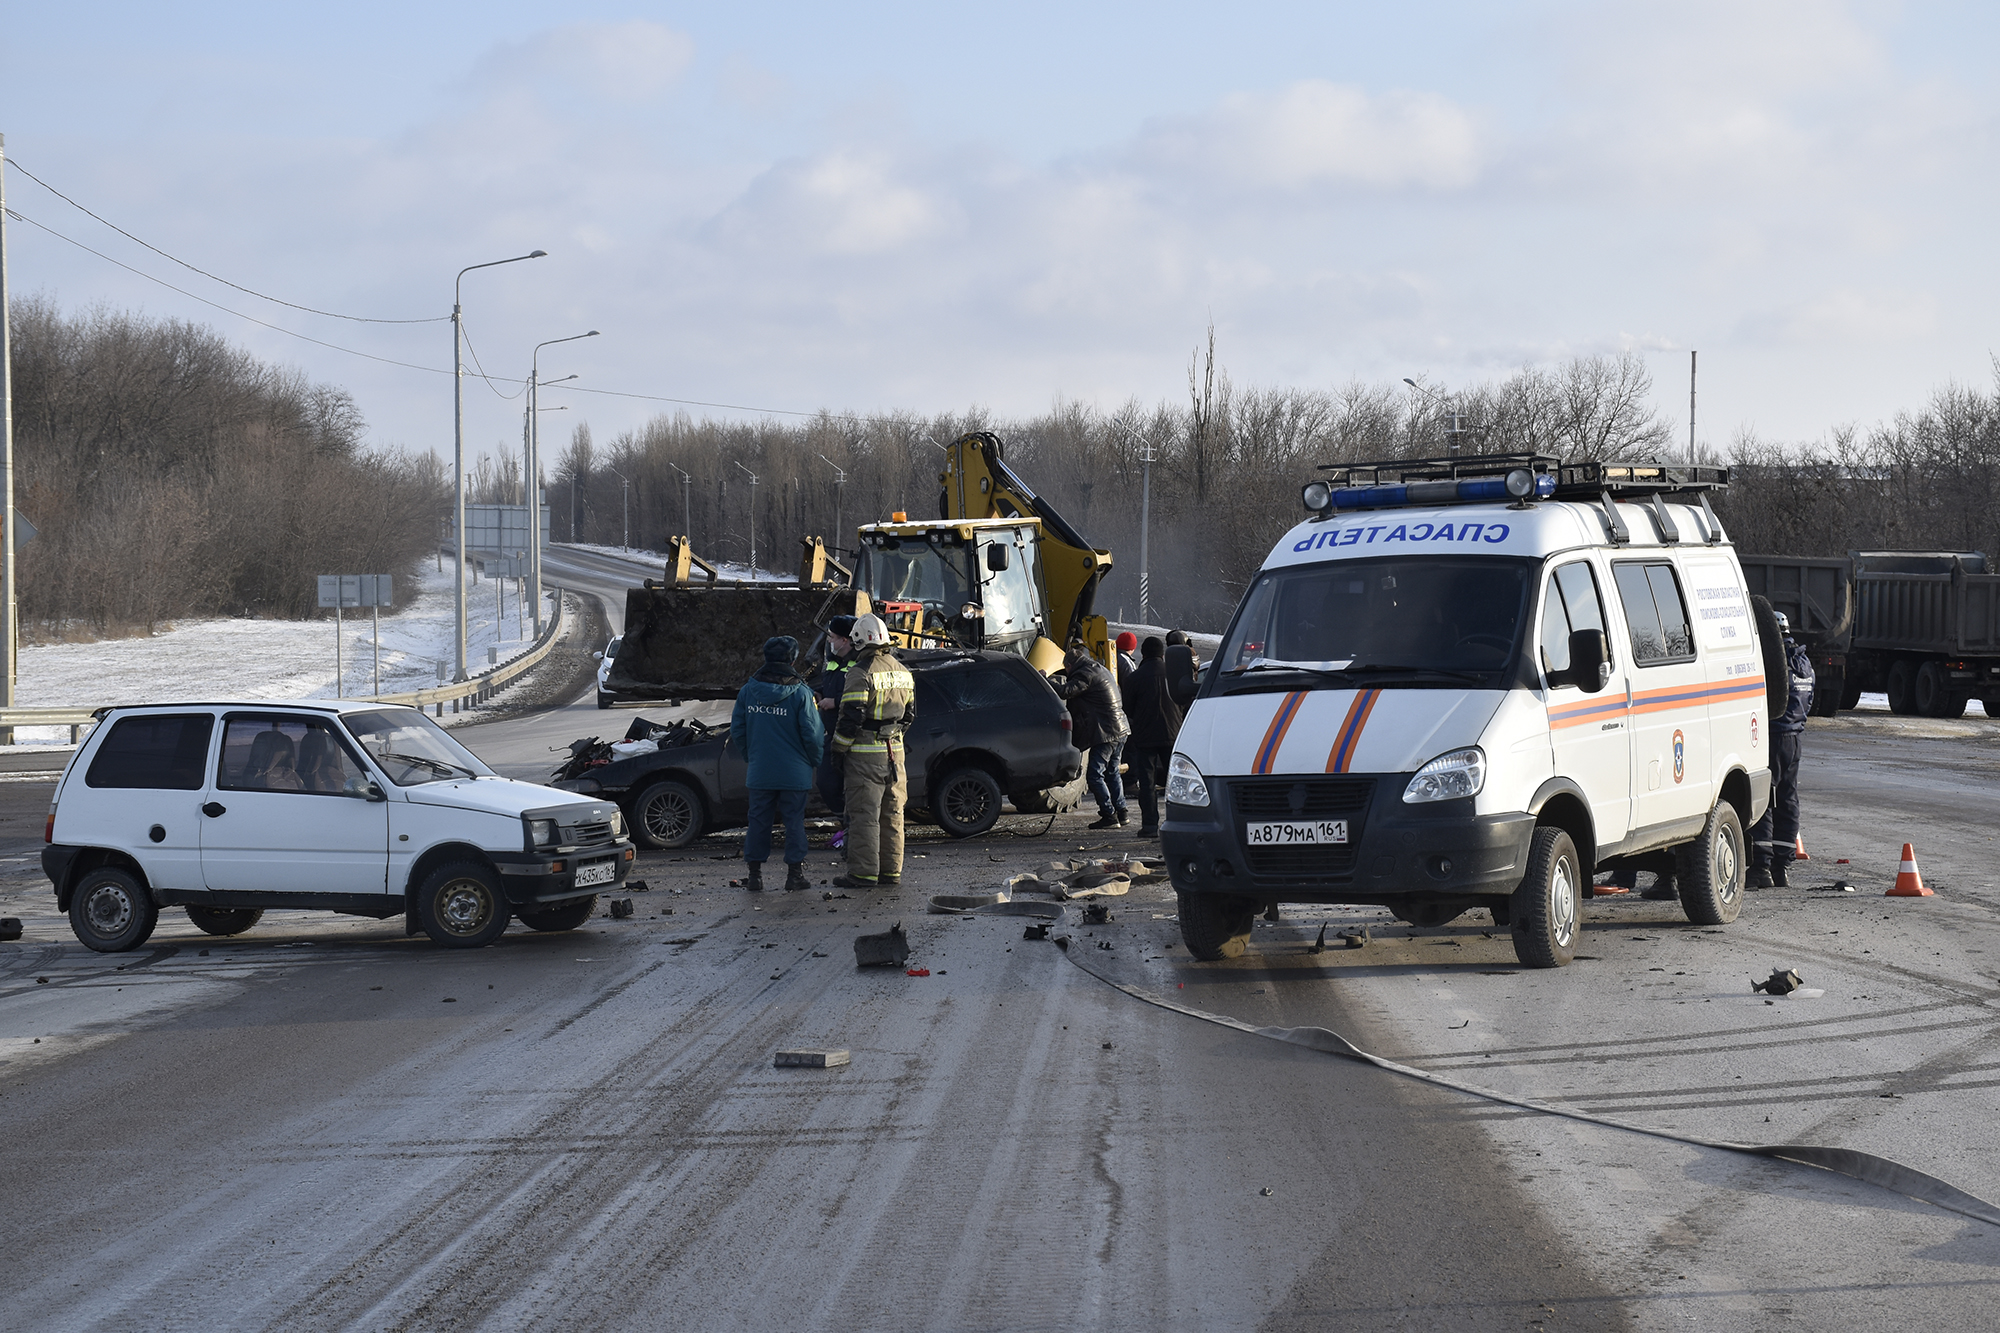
1573	481
1389	471
1577	481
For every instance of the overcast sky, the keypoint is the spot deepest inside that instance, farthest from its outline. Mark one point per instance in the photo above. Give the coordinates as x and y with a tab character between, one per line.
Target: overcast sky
929	207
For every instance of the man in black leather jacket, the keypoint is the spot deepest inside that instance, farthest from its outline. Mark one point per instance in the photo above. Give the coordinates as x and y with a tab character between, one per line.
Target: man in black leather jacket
1776	834
1098	728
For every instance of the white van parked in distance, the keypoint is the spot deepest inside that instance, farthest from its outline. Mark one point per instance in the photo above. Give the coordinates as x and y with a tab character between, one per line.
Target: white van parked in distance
232	809
1471	683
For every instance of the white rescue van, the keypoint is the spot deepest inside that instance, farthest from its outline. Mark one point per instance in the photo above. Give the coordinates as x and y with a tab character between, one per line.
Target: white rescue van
1471	683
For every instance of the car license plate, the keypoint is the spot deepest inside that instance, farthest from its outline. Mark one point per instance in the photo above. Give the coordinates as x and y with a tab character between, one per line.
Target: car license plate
1296	832
601	873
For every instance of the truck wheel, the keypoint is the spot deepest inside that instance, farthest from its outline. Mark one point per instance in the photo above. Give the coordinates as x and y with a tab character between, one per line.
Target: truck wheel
667	815
1828	691
111	911
562	916
603	699
1050	800
1850	693
1547	910
1711	869
224	920
460	906
1215	925
966	803
1901	687
1934	697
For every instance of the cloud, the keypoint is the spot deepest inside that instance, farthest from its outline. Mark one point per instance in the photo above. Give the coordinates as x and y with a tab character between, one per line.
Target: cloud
628	64
1846	315
841	202
1315	133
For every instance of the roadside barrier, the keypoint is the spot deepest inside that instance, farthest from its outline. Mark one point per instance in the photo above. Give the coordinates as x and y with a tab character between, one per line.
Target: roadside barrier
461	695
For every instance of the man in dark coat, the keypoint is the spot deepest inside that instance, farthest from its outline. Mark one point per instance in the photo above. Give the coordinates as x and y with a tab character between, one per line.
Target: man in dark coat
776	728
1155	720
1776	835
829	685
1098	728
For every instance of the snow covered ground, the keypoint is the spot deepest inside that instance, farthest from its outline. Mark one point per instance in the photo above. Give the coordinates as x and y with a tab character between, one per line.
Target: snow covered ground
277	659
727	569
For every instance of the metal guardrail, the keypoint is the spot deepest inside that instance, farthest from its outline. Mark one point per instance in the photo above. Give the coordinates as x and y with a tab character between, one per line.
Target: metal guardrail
460	695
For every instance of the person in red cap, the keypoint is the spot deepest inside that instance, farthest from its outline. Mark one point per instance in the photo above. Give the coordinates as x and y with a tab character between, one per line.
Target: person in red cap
1128	644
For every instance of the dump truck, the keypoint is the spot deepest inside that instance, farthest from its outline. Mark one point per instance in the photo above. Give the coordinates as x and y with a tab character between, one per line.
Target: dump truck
998	570
1922	627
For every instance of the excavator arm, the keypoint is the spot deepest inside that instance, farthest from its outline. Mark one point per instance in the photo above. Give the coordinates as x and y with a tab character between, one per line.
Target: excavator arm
978	484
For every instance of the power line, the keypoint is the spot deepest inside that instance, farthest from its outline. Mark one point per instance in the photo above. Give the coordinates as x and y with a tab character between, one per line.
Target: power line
408	365
330	314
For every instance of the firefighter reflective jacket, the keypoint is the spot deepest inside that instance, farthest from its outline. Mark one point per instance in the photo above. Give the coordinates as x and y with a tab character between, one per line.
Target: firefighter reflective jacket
878	705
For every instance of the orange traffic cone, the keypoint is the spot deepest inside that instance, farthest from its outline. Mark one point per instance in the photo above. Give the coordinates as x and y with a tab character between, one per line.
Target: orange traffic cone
1909	884
1799	848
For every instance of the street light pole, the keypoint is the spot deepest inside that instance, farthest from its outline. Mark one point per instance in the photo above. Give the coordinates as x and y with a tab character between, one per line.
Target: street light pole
9	623
839	480
753	521
1145	519
458	440
534	466
625	493
687	503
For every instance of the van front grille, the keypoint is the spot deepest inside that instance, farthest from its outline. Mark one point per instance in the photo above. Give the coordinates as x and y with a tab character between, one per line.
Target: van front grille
1258	800
587	835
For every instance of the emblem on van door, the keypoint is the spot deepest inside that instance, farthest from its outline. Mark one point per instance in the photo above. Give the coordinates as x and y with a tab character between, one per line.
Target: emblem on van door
1680	756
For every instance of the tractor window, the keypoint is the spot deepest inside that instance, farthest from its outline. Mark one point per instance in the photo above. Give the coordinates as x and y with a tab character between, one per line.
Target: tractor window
1009	594
916	571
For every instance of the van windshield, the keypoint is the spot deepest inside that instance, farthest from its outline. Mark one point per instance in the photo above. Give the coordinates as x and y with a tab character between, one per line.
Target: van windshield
1443	620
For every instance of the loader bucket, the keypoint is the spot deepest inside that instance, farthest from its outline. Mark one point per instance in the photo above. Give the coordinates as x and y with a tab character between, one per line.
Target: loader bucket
703	642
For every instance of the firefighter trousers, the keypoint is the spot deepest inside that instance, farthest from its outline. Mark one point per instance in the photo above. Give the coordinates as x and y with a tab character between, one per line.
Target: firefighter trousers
1775	836
877	783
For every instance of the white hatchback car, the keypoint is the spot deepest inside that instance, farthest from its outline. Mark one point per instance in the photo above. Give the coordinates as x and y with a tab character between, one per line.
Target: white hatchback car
605	699
360	808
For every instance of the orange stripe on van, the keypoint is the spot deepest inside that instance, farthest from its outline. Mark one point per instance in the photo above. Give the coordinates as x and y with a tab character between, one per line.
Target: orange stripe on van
1348	738
1655	701
1274	735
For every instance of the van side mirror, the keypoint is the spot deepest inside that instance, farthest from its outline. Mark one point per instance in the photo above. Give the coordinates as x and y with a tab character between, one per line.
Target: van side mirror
1182	683
1589	661
998	557
373	791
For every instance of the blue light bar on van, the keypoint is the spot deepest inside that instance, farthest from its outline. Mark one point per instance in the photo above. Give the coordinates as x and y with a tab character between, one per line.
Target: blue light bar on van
1519	484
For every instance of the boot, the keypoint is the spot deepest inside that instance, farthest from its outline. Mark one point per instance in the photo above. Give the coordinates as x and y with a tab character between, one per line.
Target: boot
890	881
754	881
1664	889
1105	820
1778	876
795	877
1760	878
853	881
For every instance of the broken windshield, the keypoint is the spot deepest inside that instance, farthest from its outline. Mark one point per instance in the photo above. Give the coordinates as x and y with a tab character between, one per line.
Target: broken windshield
915	571
1439	620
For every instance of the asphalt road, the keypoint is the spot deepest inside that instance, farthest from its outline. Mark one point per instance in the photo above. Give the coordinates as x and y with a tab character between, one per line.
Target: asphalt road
322	1124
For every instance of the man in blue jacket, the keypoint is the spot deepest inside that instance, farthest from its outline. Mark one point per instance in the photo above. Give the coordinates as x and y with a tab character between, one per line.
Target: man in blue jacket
776	728
1775	837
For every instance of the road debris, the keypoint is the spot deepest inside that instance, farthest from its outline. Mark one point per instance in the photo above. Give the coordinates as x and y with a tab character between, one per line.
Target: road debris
1780	983
1838	886
1096	914
830	1058
1037	930
891	948
917	972
621	907
1319	945
10	927
948	904
637	886
1357	938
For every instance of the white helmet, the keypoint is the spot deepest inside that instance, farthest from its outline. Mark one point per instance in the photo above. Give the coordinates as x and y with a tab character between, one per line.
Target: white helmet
870	632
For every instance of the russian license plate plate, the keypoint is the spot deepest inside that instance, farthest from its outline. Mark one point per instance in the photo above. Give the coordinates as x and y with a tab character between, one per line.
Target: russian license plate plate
1296	832
601	873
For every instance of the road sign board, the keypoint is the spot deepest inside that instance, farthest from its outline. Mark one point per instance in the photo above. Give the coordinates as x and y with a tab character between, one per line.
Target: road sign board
356	590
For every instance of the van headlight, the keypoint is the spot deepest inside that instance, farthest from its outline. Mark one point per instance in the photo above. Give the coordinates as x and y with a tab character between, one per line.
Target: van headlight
1185	785
1449	777
541	833
617	823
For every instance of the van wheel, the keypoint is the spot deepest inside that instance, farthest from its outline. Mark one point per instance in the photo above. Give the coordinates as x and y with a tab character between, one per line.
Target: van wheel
1711	869
1901	687
1777	670
667	815
461	907
966	803
1215	925
111	912
603	699
562	916
224	920
1547	910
